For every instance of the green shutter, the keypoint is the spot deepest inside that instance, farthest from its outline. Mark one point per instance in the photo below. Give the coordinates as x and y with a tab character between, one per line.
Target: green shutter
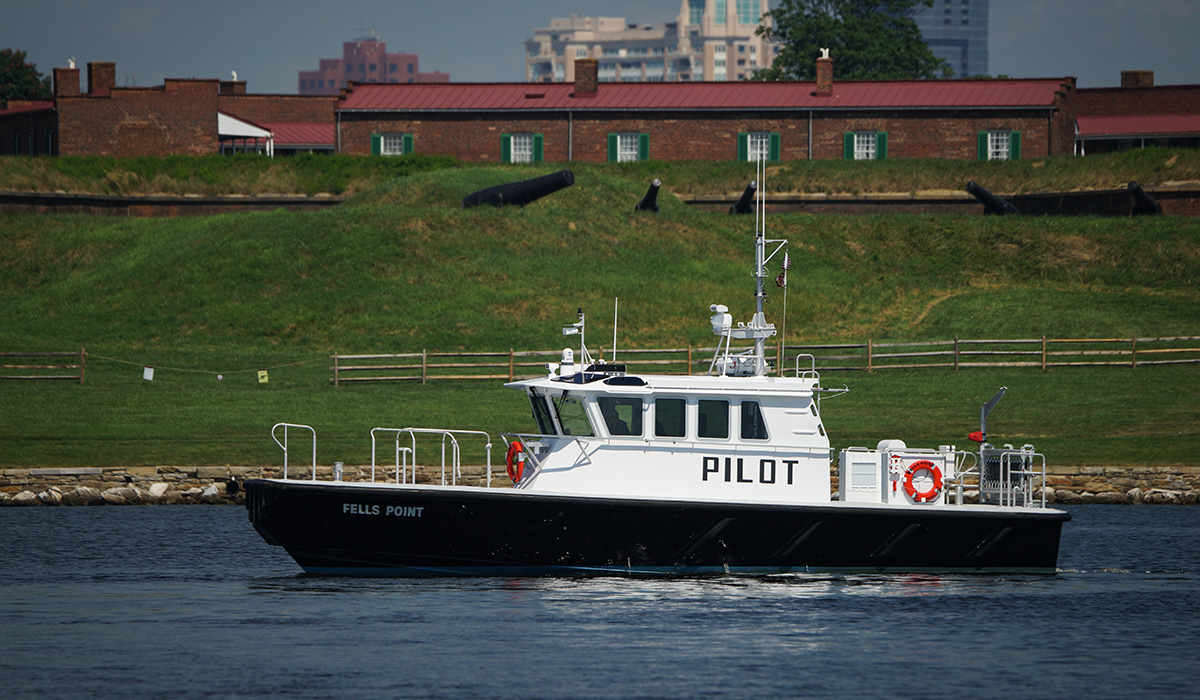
774	152
983	145
848	145
406	144
881	145
743	147
1014	145
505	148
643	146
376	144
612	148
538	147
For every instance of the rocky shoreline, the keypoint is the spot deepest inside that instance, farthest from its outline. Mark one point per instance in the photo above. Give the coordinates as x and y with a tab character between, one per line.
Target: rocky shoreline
93	486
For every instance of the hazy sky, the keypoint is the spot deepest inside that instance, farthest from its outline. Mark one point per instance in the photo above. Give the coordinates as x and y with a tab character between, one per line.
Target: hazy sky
269	41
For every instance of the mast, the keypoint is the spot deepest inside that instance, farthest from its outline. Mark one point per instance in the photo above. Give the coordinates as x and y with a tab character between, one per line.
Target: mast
752	362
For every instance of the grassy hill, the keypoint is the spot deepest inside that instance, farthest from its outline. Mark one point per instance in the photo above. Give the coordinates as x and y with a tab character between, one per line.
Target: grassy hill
401	267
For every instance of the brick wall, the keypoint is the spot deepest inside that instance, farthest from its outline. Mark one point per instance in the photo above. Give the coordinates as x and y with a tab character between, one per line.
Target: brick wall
1164	99
279	108
707	136
178	117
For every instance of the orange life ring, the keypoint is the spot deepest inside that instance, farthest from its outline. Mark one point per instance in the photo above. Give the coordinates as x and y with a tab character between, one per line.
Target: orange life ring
515	460
934	471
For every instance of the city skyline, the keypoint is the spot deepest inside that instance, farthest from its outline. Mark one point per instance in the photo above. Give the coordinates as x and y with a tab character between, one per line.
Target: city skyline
269	42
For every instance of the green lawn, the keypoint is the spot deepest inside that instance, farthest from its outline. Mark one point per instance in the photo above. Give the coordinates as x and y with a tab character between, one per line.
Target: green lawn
401	268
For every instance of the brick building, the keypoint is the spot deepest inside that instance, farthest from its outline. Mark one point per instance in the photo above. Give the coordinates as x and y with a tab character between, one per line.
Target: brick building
365	60
1138	114
593	121
177	117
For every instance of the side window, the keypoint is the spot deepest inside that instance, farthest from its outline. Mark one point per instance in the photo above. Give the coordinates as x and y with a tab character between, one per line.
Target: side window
572	416
541	414
712	418
391	144
622	416
670	417
753	427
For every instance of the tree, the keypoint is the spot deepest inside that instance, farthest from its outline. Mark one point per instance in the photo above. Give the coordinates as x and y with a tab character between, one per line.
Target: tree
868	40
20	80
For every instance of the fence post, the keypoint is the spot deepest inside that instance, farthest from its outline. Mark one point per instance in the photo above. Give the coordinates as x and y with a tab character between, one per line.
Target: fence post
1133	351
424	366
956	353
870	352
689	362
82	364
1043	353
335	368
510	365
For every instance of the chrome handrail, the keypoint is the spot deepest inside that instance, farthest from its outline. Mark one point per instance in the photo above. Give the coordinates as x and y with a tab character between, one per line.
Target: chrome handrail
284	445
398	451
455	467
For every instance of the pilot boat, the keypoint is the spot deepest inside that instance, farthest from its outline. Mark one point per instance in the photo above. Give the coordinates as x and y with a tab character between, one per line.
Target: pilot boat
630	473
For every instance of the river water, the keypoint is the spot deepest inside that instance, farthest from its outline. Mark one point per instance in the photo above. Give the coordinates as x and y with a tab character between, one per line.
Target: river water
188	601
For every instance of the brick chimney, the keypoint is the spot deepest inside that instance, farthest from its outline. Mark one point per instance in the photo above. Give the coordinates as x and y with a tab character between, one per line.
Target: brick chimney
101	78
1137	78
232	87
824	74
586	77
66	82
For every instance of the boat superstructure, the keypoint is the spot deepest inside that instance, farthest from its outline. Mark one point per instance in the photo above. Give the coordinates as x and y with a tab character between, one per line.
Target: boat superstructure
639	473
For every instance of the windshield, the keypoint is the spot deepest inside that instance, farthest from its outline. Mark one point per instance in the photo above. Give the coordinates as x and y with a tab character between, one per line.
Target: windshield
572	416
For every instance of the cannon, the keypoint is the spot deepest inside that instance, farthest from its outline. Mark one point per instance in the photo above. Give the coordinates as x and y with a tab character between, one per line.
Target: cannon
650	201
1142	202
745	203
991	203
522	192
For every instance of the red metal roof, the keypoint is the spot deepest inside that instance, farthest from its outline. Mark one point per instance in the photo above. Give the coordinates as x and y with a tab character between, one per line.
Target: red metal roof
301	133
44	106
1139	125
1035	93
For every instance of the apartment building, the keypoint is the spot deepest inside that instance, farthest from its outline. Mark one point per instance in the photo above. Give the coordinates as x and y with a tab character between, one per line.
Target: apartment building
710	40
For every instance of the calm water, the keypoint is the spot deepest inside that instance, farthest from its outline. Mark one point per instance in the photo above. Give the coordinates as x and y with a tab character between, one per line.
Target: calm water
188	601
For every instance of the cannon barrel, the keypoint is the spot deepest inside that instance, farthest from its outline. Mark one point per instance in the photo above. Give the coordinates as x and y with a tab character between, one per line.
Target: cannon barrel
1143	203
991	203
745	203
650	201
522	192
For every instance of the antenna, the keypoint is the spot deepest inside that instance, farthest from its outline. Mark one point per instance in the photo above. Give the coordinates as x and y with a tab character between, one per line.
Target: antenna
614	354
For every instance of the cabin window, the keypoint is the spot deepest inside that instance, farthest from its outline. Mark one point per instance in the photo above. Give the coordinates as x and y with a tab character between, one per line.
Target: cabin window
670	417
753	427
541	414
712	418
863	476
622	416
572	416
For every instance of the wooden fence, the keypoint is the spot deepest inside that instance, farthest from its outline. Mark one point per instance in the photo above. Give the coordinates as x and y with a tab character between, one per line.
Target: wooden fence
39	365
1043	353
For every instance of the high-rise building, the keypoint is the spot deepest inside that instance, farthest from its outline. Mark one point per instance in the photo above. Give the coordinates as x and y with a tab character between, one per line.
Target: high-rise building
957	31
365	60
710	40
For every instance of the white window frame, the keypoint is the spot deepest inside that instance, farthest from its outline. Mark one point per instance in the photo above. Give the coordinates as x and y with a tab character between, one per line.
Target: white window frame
999	145
758	146
628	147
864	145
521	148
391	145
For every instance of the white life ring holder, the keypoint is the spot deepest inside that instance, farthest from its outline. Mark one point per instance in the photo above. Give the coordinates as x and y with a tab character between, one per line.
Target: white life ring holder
933	491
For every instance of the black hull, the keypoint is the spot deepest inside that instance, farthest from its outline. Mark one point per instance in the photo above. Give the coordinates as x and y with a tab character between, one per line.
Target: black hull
421	531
